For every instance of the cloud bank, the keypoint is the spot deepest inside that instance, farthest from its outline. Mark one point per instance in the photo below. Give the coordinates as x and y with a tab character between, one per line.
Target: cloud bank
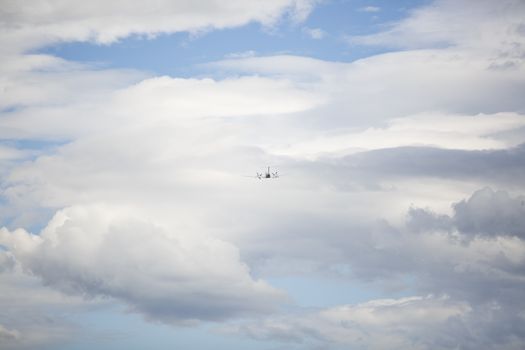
402	170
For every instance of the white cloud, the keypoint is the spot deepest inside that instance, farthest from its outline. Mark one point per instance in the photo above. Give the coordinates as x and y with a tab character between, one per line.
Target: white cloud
173	277
491	27
46	97
432	130
168	98
81	102
370	9
397	84
43	22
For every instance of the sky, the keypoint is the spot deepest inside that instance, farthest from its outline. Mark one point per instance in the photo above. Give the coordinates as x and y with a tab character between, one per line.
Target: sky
131	134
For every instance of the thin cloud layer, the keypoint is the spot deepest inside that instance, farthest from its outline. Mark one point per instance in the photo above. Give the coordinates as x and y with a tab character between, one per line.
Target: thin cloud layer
489	28
407	323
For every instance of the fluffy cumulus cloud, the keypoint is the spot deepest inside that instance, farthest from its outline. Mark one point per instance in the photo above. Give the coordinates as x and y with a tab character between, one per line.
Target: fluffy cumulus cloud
491	213
403	170
99	251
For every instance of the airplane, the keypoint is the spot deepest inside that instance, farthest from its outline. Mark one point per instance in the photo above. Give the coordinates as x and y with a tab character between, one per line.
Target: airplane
267	175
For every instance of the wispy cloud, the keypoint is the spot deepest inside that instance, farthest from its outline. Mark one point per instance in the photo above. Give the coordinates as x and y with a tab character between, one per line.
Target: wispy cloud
314	33
372	9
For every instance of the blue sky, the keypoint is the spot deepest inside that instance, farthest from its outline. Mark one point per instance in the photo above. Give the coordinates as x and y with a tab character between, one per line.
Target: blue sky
131	134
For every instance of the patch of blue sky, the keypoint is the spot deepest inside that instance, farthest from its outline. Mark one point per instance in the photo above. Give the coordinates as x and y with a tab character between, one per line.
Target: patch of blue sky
324	292
9	109
32	144
180	54
33	220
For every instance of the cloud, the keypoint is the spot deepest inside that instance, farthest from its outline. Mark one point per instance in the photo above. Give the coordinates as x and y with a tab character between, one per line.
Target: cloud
475	280
407	323
34	316
427	249
486	213
492	213
7	334
408	171
47	22
432	130
172	98
165	276
93	99
369	92
244	54
314	33
370	9
42	92
491	28
486	166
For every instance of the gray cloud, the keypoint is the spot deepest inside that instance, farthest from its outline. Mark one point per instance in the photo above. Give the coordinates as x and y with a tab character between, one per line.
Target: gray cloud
430	252
408	323
491	213
486	213
33	316
505	167
476	272
8	334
